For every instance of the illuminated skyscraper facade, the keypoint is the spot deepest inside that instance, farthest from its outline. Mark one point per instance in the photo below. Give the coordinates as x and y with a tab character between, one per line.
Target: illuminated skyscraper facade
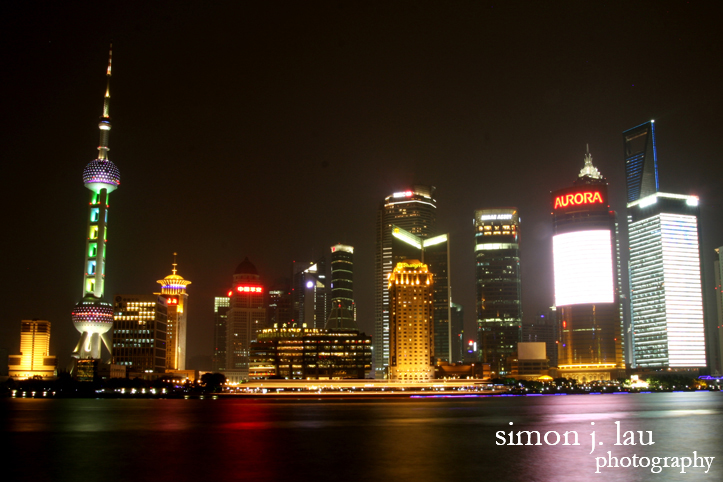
139	333
587	274
221	305
411	340
343	310
92	316
665	282
34	359
499	303
666	298
173	289
414	211
245	318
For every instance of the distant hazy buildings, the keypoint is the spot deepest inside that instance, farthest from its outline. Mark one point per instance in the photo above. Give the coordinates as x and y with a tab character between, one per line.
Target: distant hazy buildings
139	333
587	273
310	295
457	327
499	303
280	310
343	309
245	318
665	275
92	316
173	289
411	290
34	359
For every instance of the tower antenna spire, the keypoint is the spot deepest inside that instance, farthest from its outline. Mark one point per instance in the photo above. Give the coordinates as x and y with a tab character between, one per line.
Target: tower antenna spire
106	101
174	263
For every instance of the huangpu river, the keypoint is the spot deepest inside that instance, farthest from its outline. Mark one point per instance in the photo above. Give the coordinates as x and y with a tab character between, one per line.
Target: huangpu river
454	439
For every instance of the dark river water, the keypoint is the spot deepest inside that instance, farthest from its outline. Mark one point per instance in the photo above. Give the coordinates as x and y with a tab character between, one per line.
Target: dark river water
349	440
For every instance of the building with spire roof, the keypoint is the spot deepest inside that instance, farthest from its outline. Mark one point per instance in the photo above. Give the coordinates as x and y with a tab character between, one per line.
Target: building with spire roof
93	316
587	279
173	289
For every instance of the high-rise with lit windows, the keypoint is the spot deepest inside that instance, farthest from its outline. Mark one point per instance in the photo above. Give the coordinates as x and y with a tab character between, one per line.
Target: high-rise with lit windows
310	294
221	305
34	359
411	340
666	297
173	289
139	333
245	318
342	314
92	316
499	305
415	211
586	265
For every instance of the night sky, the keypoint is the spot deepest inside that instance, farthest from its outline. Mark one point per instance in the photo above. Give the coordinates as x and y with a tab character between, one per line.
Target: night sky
273	130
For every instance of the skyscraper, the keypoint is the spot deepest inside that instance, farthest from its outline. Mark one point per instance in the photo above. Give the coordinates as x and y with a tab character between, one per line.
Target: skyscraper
310	302
434	252
139	333
587	273
666	299
499	304
221	305
411	289
343	309
92	316
244	320
173	289
641	162
717	332
414	211
34	359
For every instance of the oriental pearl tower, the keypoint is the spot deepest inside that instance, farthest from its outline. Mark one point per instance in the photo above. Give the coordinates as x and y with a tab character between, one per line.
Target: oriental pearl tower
92	316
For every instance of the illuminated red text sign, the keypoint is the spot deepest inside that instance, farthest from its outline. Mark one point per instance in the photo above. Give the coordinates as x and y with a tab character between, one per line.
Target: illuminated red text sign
577	199
249	289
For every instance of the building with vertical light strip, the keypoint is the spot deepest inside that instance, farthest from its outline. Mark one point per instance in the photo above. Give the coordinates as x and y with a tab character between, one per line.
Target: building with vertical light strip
173	289
245	319
93	316
411	289
587	279
414	211
716	342
665	282
499	299
34	359
342	314
666	298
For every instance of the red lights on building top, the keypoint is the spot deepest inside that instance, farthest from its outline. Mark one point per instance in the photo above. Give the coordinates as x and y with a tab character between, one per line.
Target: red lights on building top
578	198
249	289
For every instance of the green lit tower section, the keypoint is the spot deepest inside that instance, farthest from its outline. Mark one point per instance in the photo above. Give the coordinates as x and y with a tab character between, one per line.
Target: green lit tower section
92	316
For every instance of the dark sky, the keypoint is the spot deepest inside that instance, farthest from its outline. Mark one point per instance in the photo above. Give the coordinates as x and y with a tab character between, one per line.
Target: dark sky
274	129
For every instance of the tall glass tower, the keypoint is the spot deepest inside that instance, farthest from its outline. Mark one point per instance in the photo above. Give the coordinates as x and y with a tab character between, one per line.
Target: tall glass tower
415	211
499	304
666	296
343	310
92	316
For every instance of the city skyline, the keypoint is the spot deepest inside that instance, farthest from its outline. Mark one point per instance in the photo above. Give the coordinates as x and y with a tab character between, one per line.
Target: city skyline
239	154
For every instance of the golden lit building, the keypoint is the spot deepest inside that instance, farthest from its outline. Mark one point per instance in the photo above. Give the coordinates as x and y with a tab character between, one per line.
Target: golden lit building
139	334
34	358
411	292
173	289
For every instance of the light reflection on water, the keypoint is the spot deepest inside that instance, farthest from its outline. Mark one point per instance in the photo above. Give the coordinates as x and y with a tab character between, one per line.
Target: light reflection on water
425	440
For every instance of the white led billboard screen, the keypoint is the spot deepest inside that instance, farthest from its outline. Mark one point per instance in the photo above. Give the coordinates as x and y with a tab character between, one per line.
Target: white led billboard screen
583	267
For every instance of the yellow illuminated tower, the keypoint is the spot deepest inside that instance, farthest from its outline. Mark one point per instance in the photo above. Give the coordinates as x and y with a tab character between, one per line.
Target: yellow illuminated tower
34	356
411	333
173	289
93	316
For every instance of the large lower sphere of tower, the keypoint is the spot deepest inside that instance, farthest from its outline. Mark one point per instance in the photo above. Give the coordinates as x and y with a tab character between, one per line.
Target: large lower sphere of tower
101	174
